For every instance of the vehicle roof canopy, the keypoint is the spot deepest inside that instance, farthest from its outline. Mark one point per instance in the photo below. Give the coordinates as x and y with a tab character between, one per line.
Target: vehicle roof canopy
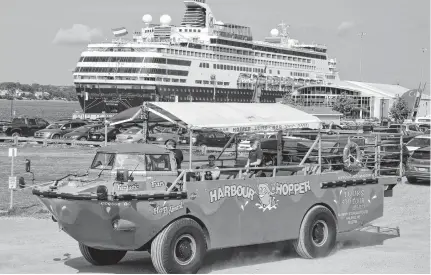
227	117
134	148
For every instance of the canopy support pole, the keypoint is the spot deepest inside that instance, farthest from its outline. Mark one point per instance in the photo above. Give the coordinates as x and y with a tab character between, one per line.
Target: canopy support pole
190	147
226	145
144	116
279	148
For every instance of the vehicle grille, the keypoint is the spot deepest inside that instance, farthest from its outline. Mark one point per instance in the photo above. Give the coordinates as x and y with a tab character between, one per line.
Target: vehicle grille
38	135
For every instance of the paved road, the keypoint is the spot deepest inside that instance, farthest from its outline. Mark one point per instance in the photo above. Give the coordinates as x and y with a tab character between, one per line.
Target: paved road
36	246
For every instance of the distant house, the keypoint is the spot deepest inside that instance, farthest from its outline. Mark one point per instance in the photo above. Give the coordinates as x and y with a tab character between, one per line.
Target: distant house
40	95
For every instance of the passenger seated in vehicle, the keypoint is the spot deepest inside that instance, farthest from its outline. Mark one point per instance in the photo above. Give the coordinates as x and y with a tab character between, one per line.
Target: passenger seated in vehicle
255	158
209	175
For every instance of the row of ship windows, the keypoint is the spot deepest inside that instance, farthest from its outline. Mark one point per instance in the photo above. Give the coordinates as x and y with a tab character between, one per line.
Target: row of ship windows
156	60
130	70
247	69
220	83
134	78
196	54
290	56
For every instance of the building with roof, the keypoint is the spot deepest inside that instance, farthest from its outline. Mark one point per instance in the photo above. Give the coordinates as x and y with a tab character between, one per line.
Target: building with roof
372	99
424	109
325	114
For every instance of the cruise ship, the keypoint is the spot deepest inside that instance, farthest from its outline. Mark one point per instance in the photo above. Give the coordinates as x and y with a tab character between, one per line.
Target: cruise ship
201	60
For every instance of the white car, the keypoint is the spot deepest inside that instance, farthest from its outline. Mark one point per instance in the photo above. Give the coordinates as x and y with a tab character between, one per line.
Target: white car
418	142
132	135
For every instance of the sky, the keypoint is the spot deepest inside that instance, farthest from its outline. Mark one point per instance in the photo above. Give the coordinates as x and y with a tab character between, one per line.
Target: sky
43	40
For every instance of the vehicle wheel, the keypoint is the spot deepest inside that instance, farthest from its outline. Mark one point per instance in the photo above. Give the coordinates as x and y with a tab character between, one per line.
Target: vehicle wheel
412	180
141	141
83	139
317	235
55	137
101	257
179	248
16	134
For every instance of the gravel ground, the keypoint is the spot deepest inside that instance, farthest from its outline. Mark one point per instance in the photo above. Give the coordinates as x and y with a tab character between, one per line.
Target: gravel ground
31	245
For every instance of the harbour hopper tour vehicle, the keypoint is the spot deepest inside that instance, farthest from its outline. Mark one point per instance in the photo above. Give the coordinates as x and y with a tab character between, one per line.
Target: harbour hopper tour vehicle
133	197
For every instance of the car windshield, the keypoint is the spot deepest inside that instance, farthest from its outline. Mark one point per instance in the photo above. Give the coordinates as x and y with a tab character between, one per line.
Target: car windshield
421	155
131	162
132	131
84	128
414	128
18	120
103	161
419	142
54	126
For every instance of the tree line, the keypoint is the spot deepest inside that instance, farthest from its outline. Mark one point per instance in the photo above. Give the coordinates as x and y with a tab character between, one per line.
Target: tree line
66	92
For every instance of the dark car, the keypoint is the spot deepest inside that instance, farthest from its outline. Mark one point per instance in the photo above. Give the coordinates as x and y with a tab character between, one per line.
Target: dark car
418	165
209	138
25	126
58	129
99	135
82	133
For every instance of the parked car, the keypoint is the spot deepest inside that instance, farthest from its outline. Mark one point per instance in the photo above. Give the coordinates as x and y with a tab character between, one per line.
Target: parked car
82	133
163	135
99	135
132	135
418	165
418	142
210	138
58	129
25	126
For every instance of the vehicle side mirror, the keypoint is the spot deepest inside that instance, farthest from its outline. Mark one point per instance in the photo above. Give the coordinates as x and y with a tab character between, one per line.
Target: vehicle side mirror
27	165
122	175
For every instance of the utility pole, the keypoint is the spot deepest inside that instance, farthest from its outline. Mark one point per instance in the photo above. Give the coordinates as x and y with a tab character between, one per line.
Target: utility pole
361	34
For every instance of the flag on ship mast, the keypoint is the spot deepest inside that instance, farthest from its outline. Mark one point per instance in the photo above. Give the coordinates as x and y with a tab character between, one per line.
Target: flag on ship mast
119	31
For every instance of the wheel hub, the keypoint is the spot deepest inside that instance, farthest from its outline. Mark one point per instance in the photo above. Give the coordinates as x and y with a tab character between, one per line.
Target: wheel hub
319	233
185	249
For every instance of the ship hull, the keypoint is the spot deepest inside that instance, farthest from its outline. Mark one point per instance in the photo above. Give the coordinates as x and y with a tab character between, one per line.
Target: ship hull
116	100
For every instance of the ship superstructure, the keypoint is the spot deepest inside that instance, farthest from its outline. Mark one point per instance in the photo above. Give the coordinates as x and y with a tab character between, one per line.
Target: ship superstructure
200	60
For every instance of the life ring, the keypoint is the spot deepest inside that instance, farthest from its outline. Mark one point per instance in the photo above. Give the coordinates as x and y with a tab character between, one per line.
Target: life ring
352	162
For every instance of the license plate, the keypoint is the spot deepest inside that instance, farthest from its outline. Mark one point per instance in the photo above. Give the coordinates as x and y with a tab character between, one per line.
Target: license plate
183	141
93	137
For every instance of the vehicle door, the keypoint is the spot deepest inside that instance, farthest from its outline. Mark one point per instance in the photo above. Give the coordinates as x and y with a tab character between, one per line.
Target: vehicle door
31	127
161	171
66	128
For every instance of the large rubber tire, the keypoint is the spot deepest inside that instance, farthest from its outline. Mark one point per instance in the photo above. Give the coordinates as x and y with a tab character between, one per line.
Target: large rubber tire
305	245
16	134
164	247
101	257
412	180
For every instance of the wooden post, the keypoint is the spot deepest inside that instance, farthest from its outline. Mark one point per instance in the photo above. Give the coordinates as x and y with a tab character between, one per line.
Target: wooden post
401	156
320	153
145	117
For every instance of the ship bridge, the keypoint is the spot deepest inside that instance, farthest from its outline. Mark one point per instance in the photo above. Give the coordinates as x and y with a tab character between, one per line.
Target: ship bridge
195	14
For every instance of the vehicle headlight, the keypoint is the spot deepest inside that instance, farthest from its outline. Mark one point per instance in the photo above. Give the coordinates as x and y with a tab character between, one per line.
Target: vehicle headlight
159	139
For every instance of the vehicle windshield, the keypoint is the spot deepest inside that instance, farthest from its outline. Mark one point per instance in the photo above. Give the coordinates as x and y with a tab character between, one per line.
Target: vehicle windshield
130	162
419	142
421	155
132	131
18	121
414	128
103	161
84	128
54	126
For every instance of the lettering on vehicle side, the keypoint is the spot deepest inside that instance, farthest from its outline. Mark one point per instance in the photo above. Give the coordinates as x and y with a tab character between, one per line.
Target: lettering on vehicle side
155	184
266	193
165	210
128	187
108	203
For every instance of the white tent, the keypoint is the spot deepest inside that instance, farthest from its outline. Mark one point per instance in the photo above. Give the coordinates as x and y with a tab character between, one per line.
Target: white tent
229	117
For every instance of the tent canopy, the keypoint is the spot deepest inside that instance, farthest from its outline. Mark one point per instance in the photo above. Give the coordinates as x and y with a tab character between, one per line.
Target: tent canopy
227	117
